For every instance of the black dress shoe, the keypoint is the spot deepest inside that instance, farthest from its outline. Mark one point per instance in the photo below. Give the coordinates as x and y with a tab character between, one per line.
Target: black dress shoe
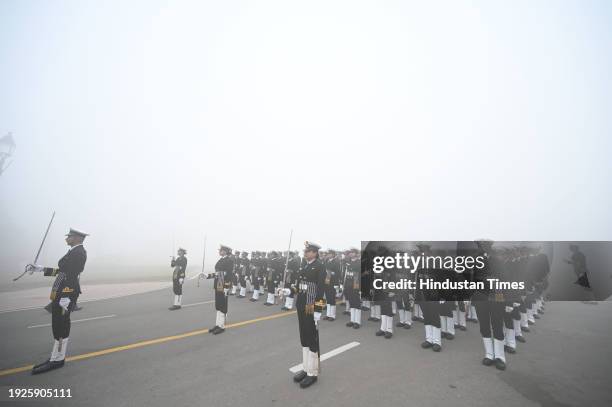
450	337
462	328
49	365
40	364
253	300
524	329
308	381
500	364
349	324
346	313
530	323
299	376
415	319
388	335
219	331
536	316
426	345
521	339
400	325
213	329
436	347
380	332
487	362
509	349
356	325
325	318
376	319
331	319
174	307
407	326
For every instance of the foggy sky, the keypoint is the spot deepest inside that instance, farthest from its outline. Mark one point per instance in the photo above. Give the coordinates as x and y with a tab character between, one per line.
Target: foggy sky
345	121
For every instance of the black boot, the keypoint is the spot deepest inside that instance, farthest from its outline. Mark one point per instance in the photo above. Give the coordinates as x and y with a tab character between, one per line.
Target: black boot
308	381
49	365
299	376
500	364
487	362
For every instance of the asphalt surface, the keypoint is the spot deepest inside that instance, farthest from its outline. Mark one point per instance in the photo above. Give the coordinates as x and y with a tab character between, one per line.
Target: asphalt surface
147	355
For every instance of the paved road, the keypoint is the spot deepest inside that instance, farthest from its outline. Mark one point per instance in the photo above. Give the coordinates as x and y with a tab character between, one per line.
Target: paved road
132	351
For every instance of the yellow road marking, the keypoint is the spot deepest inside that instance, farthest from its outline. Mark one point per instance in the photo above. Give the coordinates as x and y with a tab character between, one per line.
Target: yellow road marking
141	344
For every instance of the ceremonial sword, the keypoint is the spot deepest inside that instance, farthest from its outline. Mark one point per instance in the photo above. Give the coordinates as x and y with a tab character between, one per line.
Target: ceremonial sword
39	249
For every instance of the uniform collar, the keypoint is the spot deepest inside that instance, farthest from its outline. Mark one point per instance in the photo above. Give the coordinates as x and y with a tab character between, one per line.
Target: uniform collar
75	246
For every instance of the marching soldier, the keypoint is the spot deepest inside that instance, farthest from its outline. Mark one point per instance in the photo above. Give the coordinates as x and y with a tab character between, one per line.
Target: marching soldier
293	267
332	277
274	275
236	273
491	308
255	273
64	294
430	303
353	288
222	283
178	277
243	274
309	303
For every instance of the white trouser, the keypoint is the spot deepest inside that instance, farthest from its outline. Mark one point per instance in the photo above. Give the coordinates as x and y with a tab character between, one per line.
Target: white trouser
220	319
516	324
386	323
509	338
332	311
488	345
450	326
393	307
348	305
462	320
305	358
498	350
375	311
270	299
437	335
255	295
429	333
524	322
356	316
234	289
417	311
313	364
243	291
58	352
178	299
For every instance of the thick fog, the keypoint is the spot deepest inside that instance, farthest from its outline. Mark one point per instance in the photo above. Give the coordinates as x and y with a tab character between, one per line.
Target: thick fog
147	122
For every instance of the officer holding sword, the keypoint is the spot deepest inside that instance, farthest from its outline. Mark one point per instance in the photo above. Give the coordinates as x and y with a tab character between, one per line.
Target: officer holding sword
64	294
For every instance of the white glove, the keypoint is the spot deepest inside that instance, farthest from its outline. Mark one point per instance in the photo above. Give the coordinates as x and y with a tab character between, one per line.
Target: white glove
181	280
509	309
516	305
226	291
317	316
35	268
286	292
64	302
442	301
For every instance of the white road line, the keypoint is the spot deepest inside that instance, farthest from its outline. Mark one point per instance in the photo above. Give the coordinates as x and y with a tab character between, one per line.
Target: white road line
198	303
328	355
76	320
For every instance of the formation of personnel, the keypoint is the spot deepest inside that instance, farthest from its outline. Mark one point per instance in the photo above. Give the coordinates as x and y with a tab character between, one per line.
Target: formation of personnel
315	283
